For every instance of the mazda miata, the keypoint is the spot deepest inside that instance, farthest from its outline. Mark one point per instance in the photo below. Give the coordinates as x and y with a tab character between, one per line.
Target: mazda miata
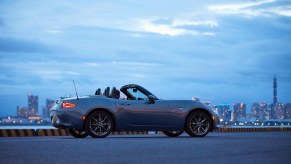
139	110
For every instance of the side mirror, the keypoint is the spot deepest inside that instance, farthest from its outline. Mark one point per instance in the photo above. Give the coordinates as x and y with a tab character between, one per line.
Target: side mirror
152	99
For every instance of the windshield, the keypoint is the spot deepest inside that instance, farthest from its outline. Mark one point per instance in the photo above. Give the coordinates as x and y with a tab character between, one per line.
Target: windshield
138	95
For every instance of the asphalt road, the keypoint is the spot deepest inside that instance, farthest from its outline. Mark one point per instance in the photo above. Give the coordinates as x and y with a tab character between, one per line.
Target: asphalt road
257	147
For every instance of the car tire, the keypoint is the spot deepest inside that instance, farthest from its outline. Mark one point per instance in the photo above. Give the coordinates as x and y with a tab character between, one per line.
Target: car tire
173	133
99	124
78	133
198	124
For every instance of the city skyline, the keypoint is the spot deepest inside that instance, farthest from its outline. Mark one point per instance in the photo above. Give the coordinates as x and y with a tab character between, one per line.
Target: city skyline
223	52
238	110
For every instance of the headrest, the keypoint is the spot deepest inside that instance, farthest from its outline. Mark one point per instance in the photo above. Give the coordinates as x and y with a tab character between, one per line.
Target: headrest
98	91
106	92
115	93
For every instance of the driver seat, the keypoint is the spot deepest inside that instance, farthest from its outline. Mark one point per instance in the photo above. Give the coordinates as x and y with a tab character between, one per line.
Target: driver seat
115	93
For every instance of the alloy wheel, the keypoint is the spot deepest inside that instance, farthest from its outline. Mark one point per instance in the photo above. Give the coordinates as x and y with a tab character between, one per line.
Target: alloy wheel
198	124
99	124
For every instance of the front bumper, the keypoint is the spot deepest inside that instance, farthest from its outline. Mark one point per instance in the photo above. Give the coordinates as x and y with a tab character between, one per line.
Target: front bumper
216	122
66	119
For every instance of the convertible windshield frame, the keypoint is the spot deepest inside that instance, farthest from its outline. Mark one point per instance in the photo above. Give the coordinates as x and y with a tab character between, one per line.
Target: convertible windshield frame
125	88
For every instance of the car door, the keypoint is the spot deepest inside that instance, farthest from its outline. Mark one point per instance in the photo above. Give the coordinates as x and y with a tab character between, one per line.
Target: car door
141	115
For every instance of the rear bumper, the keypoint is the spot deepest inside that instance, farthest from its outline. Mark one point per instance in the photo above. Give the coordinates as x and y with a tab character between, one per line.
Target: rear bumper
66	119
60	124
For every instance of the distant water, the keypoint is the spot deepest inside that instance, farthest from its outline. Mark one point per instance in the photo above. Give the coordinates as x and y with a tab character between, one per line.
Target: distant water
26	127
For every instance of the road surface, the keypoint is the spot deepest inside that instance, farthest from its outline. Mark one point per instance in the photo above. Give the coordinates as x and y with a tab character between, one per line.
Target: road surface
257	147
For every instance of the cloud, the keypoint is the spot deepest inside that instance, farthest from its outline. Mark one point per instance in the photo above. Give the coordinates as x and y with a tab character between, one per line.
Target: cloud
1	22
54	31
47	74
281	10
38	72
208	33
8	44
147	26
177	50
174	27
239	6
142	64
92	64
207	23
253	9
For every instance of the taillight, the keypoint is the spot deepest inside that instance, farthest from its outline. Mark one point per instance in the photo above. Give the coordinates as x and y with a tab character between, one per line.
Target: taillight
68	105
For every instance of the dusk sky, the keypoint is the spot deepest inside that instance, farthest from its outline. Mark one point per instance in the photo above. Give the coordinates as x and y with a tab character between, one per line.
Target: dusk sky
220	51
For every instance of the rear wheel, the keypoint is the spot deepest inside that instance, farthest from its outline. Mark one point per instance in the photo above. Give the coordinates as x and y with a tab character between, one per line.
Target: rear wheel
99	124
173	133
78	133
198	124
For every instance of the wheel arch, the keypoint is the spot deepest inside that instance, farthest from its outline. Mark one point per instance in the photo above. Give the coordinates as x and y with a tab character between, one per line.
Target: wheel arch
200	109
101	109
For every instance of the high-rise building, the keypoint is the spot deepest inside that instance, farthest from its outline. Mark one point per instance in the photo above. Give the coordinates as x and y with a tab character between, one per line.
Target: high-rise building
22	112
260	111
256	110
223	110
287	111
274	106
32	104
46	109
239	111
280	110
277	110
275	90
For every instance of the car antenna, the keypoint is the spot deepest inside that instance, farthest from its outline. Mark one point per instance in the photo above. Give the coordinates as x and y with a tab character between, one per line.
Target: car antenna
76	90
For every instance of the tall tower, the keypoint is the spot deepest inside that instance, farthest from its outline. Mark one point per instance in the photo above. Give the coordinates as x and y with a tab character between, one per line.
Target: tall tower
275	90
32	104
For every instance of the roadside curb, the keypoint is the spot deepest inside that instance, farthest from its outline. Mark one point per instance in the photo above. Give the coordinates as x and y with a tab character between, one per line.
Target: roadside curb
65	132
52	132
246	129
17	132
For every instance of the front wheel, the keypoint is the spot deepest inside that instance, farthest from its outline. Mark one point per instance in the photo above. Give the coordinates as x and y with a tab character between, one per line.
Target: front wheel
198	124
173	133
78	133
99	124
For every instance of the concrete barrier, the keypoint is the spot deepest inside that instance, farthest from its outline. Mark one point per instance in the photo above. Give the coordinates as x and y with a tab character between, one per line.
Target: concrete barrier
252	129
65	132
17	132
52	132
247	129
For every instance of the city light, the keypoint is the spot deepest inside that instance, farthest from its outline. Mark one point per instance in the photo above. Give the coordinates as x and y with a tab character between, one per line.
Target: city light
235	114
274	114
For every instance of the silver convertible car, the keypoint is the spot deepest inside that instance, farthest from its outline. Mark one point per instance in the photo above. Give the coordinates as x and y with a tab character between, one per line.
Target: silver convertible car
100	114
